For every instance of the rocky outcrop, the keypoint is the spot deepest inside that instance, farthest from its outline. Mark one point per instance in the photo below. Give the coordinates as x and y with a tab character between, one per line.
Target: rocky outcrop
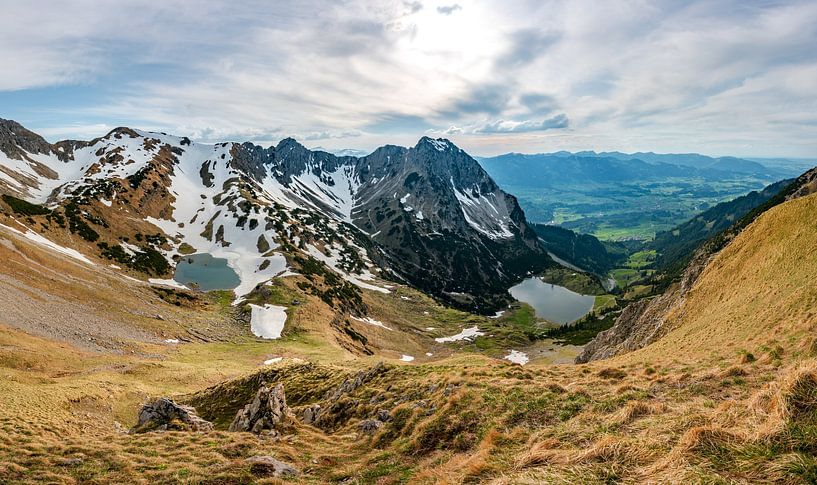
805	184
270	467
19	143
369	426
267	413
311	414
165	414
351	383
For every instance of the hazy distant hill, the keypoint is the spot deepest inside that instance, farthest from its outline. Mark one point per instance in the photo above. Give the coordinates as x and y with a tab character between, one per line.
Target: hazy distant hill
622	196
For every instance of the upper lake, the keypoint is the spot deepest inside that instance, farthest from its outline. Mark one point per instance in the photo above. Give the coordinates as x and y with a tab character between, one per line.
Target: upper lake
553	302
205	272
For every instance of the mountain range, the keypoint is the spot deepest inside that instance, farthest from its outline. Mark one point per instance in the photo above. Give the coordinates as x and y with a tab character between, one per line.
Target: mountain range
428	215
559	168
618	196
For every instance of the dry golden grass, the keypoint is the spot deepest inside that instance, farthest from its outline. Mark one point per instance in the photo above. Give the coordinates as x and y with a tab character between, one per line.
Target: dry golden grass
757	291
692	408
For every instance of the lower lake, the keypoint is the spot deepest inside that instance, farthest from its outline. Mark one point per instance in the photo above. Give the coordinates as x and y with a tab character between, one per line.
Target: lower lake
205	272
553	302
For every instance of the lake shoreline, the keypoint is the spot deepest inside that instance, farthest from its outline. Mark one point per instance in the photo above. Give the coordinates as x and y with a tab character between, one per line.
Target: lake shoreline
552	302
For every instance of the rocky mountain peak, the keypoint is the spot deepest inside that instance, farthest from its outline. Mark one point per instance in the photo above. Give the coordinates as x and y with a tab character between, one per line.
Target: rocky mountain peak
290	144
122	131
15	140
437	144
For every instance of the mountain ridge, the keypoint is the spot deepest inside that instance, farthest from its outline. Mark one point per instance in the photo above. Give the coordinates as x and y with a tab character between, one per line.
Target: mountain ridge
422	214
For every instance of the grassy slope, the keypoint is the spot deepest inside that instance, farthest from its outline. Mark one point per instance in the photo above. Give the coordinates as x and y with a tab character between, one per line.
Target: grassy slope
692	408
758	292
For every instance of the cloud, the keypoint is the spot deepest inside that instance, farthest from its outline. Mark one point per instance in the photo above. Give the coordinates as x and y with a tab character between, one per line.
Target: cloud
326	135
538	102
488	99
394	122
508	126
449	9
526	45
705	76
413	7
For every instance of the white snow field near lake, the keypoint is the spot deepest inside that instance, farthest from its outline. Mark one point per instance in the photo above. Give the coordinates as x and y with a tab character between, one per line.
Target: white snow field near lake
466	334
167	282
517	357
267	321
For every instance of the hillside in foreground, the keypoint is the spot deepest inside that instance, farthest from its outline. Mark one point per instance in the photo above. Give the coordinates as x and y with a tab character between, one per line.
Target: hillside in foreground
728	395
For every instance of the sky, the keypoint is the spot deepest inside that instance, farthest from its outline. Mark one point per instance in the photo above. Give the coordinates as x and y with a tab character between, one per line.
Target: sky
714	77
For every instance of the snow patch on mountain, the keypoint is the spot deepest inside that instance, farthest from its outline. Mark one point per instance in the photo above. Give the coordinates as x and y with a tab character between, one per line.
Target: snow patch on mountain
336	190
440	145
167	282
212	227
370	321
466	334
267	321
517	357
484	212
333	262
42	241
23	176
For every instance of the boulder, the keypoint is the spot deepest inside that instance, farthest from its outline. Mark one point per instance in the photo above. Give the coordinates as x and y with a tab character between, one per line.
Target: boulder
369	426
268	412
311	414
163	414
383	415
269	466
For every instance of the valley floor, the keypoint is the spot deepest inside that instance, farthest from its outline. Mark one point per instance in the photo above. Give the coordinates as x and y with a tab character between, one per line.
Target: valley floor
698	407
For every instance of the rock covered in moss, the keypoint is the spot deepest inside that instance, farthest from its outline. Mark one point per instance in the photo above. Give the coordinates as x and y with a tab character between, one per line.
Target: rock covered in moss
311	414
164	414
269	466
268	412
370	426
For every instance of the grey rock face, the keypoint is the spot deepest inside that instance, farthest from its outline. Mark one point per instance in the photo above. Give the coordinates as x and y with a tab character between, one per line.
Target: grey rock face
370	426
271	467
163	414
268	412
15	140
311	414
435	217
806	184
443	224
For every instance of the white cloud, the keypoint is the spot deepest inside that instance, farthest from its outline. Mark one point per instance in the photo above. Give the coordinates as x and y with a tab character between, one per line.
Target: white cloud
449	9
719	77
